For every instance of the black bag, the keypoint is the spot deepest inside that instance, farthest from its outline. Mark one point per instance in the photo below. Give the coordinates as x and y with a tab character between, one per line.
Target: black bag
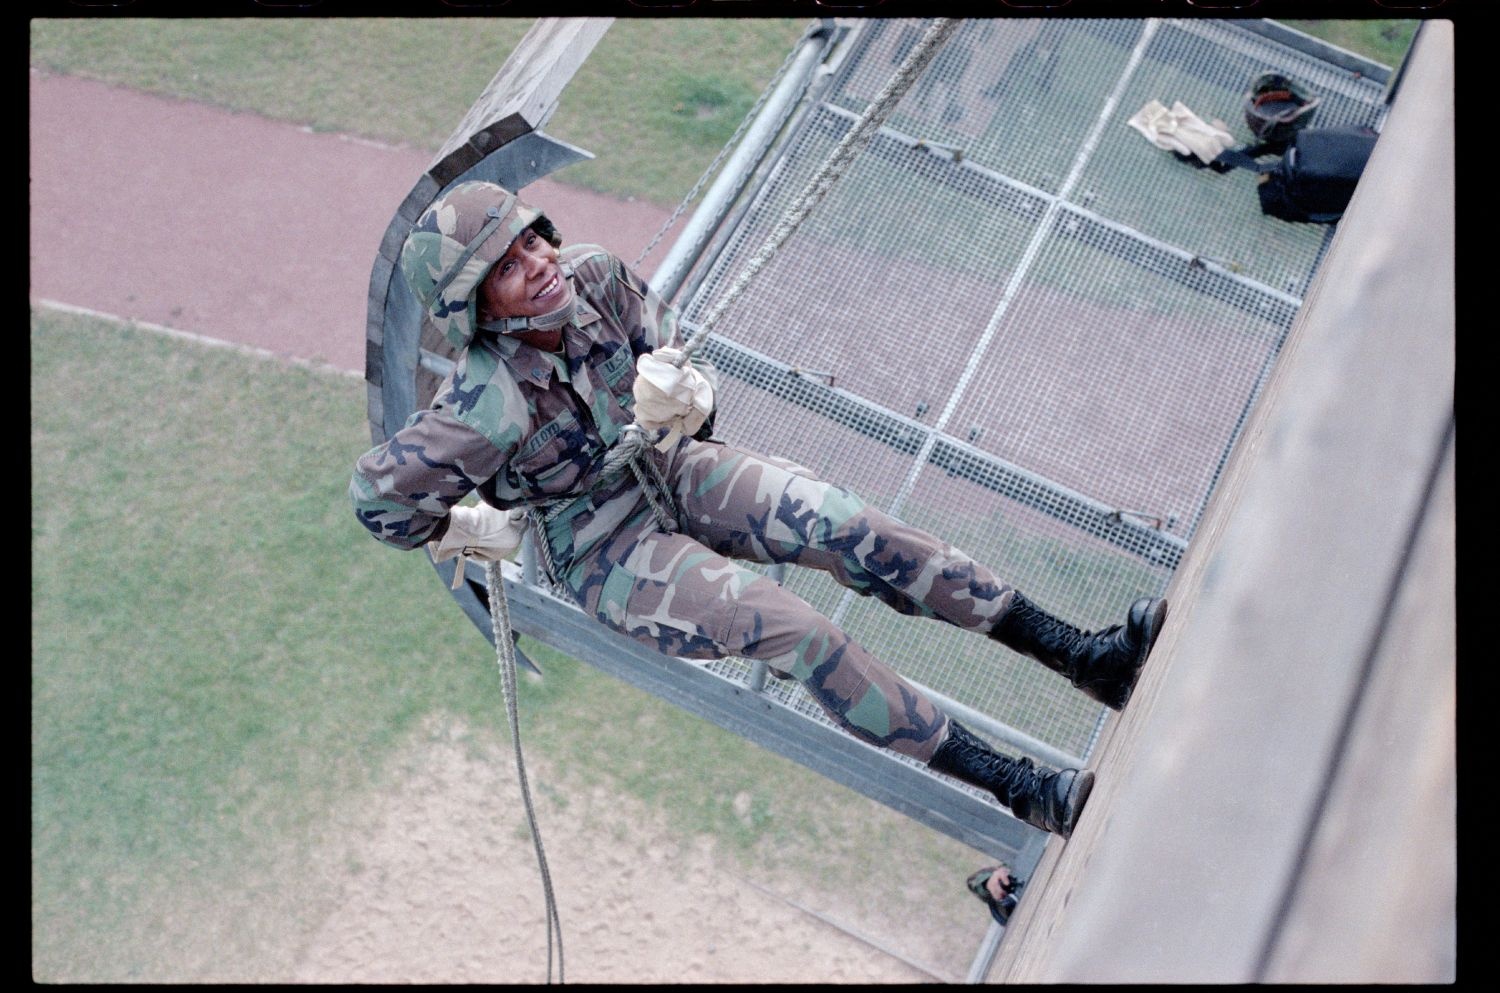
1314	178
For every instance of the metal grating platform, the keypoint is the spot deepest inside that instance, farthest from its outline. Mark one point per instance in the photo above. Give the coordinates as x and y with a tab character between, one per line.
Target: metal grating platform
1018	324
1014	322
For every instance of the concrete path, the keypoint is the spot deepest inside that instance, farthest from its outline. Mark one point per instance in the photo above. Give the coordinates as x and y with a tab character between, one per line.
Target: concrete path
236	227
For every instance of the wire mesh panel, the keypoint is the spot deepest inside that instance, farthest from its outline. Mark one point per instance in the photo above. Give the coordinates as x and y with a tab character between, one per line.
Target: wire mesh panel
1017	324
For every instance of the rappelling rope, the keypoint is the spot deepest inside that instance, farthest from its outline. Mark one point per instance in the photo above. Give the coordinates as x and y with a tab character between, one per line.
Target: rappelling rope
632	447
630	451
500	622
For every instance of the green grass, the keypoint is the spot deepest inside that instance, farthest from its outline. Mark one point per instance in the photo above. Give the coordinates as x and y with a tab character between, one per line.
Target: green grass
208	668
655	101
1385	41
221	657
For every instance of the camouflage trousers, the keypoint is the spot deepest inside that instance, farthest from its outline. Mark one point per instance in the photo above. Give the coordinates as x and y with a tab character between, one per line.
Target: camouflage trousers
683	594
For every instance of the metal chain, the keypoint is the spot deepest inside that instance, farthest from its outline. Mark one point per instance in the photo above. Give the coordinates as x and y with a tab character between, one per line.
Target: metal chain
853	142
713	166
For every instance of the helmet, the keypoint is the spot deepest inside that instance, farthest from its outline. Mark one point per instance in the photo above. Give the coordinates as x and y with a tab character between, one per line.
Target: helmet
454	244
1277	107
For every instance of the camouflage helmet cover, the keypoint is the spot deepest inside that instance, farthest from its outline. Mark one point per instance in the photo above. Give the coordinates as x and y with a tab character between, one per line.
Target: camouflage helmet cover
453	245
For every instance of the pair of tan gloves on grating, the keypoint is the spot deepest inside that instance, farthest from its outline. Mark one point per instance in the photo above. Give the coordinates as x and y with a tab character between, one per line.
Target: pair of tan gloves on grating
1182	131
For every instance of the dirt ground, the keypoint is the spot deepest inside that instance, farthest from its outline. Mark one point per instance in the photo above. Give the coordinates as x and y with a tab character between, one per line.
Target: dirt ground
190	215
430	877
442	885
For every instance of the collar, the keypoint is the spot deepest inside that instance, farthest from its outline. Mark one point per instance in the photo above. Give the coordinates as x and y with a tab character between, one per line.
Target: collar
529	363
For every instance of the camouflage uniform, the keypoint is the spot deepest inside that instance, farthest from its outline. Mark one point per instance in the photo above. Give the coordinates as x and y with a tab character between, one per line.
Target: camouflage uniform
525	427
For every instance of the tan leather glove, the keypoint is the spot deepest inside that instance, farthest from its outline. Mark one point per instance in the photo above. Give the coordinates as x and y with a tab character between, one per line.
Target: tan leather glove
666	396
481	533
1182	131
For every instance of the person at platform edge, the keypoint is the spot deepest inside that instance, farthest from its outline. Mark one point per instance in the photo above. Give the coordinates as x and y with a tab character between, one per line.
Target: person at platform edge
560	350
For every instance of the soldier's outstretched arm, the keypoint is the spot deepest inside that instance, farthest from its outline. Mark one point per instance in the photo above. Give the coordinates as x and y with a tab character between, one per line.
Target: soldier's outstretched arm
403	489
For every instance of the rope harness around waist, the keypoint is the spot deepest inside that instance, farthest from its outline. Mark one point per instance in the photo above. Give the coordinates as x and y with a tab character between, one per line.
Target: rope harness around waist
630	451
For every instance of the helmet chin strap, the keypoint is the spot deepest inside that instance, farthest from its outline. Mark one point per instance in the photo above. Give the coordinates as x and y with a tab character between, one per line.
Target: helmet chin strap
550	321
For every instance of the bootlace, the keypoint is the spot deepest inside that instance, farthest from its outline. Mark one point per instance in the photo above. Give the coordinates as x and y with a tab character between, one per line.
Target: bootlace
1017	777
1076	644
1020	777
1069	638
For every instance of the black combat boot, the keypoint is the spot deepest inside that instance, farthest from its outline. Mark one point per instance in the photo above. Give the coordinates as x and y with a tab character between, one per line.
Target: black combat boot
1051	801
1103	664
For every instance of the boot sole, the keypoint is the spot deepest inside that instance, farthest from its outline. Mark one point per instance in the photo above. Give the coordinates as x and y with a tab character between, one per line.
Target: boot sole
1078	795
1151	626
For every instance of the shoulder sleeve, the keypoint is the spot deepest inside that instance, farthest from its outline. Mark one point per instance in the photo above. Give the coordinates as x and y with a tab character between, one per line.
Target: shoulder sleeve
648	320
403	489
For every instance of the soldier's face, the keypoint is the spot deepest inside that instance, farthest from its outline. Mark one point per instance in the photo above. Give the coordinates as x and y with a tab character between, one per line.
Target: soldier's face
525	282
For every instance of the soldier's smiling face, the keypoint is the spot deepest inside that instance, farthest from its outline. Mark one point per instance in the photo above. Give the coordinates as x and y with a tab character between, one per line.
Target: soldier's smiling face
525	282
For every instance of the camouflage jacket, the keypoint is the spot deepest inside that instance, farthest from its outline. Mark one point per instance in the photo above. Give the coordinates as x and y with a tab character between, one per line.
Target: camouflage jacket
518	424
